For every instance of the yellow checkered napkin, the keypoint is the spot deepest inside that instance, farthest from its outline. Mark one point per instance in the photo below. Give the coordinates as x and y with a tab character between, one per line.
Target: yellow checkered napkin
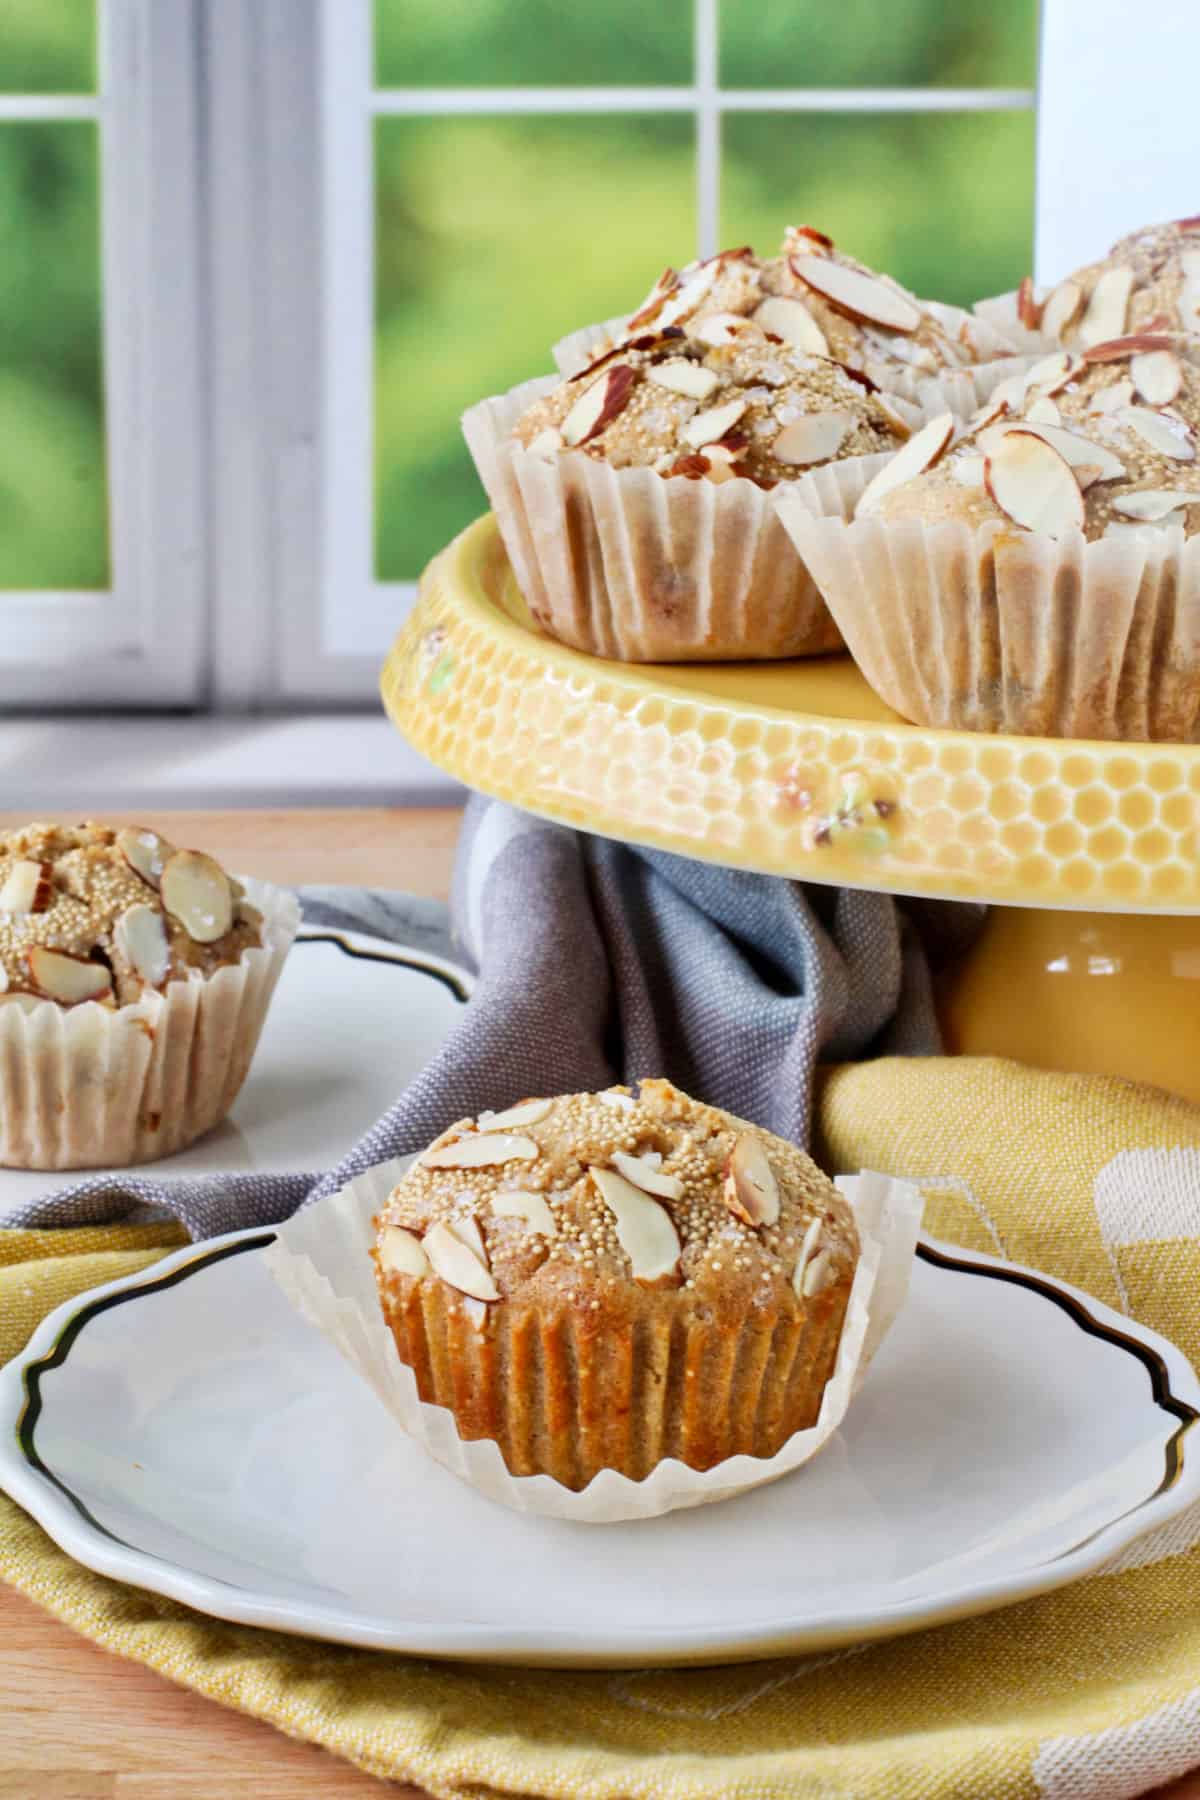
1091	1693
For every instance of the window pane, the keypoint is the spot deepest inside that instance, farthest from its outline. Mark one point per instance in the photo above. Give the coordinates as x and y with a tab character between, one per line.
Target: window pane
942	201
495	238
47	46
861	43
532	43
53	527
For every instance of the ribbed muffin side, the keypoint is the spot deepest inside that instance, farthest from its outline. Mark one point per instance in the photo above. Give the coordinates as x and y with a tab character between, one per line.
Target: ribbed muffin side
566	1399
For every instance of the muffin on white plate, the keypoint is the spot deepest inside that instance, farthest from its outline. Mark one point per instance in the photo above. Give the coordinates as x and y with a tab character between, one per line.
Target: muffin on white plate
134	981
633	497
1039	574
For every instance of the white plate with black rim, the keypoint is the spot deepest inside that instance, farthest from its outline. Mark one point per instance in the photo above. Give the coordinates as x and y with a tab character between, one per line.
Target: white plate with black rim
186	1431
352	1021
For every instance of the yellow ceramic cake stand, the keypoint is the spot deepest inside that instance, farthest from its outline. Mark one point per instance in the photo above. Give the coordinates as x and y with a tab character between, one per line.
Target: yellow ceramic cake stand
1090	852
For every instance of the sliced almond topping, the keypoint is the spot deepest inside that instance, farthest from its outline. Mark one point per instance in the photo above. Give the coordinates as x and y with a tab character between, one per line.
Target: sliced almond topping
864	298
1117	349
708	427
526	1112
1053	373
1061	307
1043	412
1111	399
645	1229
141	937
1083	454
468	1232
598	405
682	377
1170	438
1028	310
28	888
1031	482
808	240
546	443
806	1251
967	471
197	891
896	420
717	329
814	438
71	980
792	321
614	1097
819	1274
1189	294
1105	315
645	1175
920	453
515	1203
481	1151
145	852
995	409
652	304
1153	504
751	1190
1157	376
457	1264
684	299
400	1252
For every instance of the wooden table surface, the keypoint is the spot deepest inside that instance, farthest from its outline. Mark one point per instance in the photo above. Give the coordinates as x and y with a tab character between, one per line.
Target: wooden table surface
75	1722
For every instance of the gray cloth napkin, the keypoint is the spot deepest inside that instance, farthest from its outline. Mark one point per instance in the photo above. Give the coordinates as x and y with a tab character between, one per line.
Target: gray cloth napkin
600	963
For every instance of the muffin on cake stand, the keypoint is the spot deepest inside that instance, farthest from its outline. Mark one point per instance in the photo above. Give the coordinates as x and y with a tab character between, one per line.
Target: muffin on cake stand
1088	852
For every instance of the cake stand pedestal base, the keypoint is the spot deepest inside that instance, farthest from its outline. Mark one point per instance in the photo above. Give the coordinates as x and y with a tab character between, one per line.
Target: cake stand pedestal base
1103	993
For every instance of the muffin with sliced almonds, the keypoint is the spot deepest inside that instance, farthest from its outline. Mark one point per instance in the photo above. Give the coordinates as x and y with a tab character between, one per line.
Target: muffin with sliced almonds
1050	550
1148	282
134	981
634	497
824	303
605	1281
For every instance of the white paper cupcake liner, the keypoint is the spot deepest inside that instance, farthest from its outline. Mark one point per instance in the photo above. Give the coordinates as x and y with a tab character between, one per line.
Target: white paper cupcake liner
991	629
999	314
89	1087
321	1259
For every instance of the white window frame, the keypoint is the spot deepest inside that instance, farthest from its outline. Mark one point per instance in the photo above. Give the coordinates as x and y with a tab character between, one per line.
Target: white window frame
141	642
324	469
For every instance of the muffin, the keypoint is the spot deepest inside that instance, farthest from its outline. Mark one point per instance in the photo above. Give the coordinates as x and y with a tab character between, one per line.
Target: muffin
604	1281
633	498
1048	552
134	980
823	303
1149	281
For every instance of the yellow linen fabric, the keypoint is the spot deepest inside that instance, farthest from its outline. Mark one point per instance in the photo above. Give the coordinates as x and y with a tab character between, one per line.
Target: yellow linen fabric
1090	1692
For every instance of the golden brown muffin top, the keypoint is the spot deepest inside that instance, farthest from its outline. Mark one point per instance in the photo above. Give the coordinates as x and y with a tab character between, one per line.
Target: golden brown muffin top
588	1200
1149	281
1106	442
822	302
89	912
732	400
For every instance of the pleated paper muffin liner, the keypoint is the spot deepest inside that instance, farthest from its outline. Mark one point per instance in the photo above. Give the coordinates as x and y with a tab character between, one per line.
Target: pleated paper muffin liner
89	1087
321	1259
989	628
960	391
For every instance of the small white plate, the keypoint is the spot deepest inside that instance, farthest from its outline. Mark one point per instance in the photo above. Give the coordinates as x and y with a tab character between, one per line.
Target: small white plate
186	1431
353	1020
